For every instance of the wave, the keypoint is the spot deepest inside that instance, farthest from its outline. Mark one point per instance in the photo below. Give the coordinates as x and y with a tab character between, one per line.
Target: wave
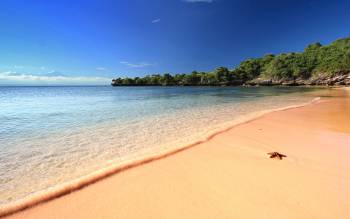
77	184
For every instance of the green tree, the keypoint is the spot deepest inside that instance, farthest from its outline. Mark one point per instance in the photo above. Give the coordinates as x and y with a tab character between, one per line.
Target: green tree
314	60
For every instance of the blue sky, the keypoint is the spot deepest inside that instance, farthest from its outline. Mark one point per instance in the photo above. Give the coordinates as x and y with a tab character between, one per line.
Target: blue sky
92	41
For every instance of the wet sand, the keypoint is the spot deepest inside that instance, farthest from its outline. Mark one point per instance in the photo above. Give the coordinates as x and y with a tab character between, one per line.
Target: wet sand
231	176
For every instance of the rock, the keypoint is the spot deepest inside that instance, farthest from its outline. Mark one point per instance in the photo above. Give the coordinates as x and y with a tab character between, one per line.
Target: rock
289	83
300	81
260	82
339	83
265	82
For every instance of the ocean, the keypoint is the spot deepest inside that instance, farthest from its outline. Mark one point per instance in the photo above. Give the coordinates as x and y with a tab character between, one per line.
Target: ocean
53	135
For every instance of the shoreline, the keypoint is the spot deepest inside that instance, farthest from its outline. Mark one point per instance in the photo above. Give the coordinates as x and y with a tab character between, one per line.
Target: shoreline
82	182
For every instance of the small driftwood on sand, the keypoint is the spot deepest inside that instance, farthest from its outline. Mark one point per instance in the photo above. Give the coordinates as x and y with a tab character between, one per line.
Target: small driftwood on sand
276	155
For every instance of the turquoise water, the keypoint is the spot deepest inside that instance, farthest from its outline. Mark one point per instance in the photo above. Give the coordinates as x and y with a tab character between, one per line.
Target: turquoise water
51	135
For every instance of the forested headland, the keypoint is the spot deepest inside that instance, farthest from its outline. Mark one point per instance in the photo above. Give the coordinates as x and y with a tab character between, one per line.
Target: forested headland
316	65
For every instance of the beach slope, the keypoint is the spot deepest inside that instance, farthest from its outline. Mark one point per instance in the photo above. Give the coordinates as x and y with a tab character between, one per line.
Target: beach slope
231	175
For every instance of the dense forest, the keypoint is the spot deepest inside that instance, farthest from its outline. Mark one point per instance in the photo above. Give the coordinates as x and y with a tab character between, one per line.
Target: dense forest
317	64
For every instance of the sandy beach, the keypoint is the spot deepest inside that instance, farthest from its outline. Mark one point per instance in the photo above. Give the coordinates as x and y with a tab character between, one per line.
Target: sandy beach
231	175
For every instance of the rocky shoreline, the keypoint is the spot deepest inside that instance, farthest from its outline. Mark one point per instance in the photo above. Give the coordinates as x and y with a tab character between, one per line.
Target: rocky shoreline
320	80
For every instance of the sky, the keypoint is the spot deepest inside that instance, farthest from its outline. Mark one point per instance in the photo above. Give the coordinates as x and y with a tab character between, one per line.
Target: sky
66	42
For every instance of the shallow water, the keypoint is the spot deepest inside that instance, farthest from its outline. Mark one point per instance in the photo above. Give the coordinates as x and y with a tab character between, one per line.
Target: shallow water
51	135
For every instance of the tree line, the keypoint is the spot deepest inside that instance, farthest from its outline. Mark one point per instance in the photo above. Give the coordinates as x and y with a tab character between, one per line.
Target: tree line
315	60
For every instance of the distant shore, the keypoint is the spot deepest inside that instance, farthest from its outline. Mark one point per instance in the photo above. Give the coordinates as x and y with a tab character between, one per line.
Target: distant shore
342	80
230	175
325	65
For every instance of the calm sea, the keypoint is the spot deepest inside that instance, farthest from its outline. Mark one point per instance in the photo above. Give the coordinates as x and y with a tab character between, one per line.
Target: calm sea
51	135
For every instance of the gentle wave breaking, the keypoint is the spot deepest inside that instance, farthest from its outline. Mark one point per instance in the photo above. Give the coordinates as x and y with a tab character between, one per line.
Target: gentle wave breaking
73	185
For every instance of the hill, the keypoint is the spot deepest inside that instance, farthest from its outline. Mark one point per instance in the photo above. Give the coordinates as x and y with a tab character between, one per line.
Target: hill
316	65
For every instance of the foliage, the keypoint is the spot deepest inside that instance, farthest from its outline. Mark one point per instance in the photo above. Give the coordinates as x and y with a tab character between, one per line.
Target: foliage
316	59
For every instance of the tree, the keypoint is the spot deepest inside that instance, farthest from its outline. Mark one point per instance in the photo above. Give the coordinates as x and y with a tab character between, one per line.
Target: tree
167	80
330	60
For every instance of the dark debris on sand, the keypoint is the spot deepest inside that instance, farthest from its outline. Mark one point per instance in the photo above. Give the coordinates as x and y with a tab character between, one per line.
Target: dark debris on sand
276	155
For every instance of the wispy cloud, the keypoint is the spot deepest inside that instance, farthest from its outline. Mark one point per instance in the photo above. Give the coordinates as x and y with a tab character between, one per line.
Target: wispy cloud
195	1
137	65
26	67
30	79
101	69
54	73
155	20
